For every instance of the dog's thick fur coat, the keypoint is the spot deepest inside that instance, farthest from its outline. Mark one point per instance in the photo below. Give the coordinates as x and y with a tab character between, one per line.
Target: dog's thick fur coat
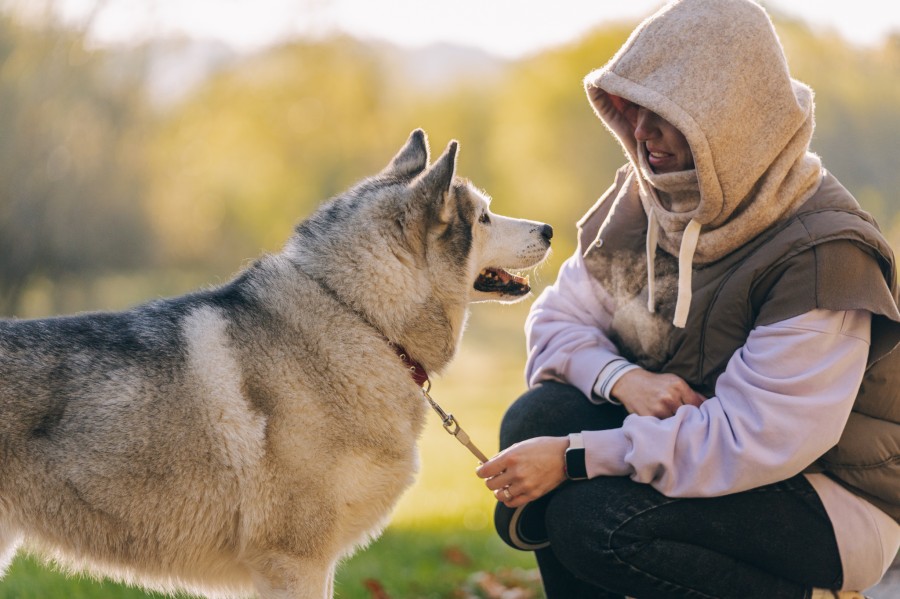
243	439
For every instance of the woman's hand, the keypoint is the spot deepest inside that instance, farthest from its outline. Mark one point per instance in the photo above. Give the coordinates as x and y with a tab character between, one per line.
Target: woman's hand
526	470
650	394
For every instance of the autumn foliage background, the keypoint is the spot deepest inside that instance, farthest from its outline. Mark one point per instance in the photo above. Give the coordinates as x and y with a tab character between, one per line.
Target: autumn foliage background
126	176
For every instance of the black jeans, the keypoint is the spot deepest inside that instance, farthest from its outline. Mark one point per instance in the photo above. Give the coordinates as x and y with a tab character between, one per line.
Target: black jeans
611	537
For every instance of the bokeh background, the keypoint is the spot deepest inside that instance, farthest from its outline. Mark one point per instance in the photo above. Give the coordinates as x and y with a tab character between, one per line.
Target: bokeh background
150	147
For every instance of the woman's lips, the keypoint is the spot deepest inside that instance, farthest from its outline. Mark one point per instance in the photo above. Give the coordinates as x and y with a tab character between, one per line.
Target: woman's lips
658	159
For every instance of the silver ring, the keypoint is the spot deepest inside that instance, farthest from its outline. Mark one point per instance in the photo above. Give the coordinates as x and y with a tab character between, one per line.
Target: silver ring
507	494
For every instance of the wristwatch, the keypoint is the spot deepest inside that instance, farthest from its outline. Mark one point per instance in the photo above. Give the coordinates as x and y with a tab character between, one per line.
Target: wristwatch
576	468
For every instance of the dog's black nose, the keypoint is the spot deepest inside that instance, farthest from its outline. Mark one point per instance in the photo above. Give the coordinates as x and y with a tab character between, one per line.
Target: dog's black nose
547	232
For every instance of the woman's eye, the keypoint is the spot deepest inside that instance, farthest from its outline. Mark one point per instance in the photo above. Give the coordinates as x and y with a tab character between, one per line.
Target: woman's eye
631	114
484	218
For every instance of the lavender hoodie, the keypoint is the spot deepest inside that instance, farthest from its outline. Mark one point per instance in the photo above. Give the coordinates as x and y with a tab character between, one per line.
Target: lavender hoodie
777	407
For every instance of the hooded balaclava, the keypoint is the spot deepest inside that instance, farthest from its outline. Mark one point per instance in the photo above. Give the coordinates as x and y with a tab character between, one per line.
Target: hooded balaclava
714	69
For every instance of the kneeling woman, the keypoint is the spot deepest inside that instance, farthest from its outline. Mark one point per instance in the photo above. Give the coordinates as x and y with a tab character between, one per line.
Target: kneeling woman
714	372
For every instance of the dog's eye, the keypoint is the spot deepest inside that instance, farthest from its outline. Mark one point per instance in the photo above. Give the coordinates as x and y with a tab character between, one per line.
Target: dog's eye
484	219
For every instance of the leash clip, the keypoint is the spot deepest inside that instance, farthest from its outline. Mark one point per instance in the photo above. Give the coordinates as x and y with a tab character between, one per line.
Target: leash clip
449	422
451	425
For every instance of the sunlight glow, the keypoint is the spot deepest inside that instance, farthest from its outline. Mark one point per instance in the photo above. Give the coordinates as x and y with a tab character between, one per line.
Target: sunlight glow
509	28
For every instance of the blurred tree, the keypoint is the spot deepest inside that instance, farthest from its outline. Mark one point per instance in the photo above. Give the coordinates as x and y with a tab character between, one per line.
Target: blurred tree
550	154
88	180
70	180
262	144
857	111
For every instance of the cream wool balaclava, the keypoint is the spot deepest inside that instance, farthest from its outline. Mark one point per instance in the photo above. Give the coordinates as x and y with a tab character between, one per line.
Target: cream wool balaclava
714	69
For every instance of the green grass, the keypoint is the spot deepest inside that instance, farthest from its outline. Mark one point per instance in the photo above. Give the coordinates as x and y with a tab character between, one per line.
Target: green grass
441	534
426	564
29	579
407	563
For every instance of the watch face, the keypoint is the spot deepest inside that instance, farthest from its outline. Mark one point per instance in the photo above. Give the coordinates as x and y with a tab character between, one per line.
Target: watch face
576	469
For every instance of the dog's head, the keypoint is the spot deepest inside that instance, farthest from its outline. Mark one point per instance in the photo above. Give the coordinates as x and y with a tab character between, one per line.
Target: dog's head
412	246
460	228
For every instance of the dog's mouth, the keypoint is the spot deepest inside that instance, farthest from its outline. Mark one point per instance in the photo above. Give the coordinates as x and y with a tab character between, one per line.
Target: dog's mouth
497	280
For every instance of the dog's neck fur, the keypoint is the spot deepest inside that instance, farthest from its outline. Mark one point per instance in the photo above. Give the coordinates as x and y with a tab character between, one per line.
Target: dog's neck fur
428	327
413	302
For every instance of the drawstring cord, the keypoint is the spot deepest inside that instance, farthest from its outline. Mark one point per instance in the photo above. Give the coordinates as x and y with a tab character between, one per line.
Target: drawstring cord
689	240
685	271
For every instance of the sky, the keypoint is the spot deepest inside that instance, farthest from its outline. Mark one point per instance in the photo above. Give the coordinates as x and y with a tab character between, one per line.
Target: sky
507	28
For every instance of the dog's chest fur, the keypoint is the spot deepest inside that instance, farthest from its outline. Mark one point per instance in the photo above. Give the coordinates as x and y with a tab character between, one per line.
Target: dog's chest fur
347	427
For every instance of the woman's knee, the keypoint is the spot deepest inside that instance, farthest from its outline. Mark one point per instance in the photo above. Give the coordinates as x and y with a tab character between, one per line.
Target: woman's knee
555	409
550	408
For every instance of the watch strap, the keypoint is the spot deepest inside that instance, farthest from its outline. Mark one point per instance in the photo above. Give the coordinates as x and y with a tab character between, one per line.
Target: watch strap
576	441
575	464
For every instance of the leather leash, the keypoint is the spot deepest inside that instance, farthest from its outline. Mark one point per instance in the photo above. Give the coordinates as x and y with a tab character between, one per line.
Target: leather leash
450	424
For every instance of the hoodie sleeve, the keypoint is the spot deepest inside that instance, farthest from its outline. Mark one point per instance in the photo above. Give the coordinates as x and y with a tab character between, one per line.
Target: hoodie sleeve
782	402
566	333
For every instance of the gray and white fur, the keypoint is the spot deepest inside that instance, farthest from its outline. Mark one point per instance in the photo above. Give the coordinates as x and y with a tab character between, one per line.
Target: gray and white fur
241	440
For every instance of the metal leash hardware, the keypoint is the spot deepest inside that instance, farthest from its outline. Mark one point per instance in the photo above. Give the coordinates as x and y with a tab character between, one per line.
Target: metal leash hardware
452	426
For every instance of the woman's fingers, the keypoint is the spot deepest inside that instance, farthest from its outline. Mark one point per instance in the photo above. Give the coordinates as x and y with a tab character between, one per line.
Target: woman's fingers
648	393
526	470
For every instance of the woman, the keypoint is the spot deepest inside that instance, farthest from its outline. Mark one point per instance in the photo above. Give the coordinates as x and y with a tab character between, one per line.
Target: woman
729	316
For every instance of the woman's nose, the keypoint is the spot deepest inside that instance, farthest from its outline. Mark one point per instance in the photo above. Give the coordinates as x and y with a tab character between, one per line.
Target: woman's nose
644	127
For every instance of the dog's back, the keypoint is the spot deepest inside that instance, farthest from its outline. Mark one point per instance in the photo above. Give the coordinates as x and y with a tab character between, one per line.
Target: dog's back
107	433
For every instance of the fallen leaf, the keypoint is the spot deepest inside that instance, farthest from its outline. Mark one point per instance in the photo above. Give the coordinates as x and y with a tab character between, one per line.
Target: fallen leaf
457	556
505	583
376	589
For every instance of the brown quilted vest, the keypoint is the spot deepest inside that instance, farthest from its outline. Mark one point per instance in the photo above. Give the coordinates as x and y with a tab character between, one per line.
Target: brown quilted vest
828	255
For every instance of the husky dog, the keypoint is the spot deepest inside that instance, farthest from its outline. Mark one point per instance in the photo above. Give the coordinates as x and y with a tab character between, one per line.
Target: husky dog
245	438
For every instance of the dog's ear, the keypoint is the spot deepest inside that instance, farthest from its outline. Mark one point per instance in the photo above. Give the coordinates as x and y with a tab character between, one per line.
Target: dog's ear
435	183
412	157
